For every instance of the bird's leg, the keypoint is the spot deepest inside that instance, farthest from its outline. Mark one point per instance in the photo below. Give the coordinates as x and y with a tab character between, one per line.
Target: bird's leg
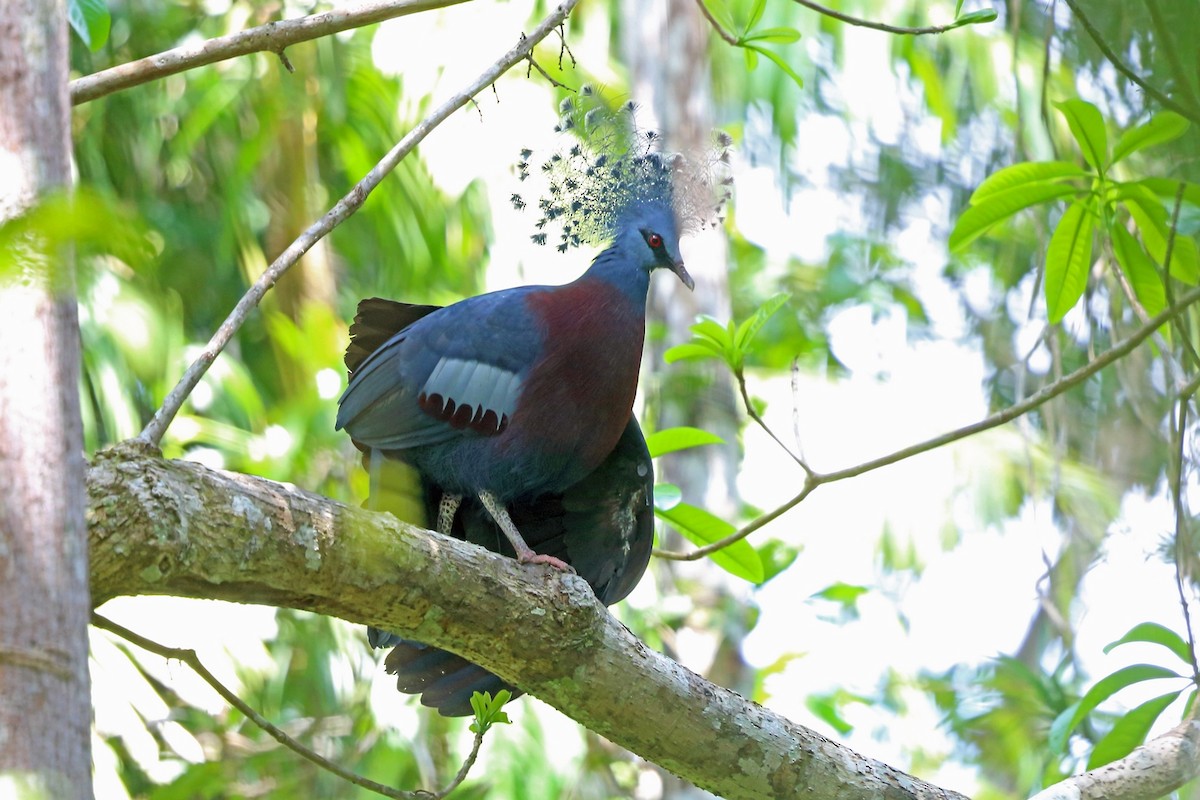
374	468
525	554
447	508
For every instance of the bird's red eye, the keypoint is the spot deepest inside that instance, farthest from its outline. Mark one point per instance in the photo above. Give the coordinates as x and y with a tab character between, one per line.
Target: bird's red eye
654	240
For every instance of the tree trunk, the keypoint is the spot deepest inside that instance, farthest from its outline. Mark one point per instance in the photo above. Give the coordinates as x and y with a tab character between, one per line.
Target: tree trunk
45	708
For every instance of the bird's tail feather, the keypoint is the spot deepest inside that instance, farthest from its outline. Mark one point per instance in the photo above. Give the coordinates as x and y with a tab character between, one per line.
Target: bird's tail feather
444	681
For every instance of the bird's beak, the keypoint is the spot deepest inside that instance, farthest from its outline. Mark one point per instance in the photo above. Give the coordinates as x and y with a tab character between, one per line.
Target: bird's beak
678	268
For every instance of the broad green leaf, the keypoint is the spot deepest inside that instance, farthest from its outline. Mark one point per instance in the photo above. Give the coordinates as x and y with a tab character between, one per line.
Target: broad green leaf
1087	126
750	327
1166	187
702	528
1068	259
1108	686
712	330
1130	730
826	707
666	496
720	11
692	350
776	556
756	12
978	219
1026	173
751	54
777	35
1143	276
1151	219
1154	633
1163	127
779	62
671	439
974	18
91	21
841	592
1056	739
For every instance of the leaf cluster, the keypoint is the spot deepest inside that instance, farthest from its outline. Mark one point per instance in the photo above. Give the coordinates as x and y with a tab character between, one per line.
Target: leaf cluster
1097	201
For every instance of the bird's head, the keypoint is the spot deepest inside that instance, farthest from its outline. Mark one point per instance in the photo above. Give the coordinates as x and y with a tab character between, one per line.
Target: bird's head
648	235
611	182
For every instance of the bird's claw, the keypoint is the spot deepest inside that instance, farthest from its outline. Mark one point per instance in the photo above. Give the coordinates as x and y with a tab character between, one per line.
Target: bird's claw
541	558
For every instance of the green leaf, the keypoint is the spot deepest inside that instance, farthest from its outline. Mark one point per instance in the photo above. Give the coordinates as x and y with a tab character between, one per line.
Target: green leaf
1154	633
827	708
681	352
1130	730
702	528
751	54
1167	187
1163	127
720	11
974	18
1108	686
91	22
778	35
1087	126
1068	259
1024	174
844	594
714	331
1151	219
779	62
776	556
958	8
681	438
666	496
999	206
756	12
750	327
1143	276
1056	739
488	710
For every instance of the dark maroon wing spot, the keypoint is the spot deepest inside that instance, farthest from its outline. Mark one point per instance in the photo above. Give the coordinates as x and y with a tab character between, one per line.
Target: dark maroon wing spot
431	404
462	416
459	417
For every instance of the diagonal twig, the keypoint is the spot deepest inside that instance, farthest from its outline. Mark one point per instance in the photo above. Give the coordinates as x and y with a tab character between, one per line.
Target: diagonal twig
877	26
1124	68
153	432
189	657
1038	398
272	37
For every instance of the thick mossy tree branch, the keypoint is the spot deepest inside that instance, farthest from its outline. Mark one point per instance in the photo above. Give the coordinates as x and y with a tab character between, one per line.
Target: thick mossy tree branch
177	528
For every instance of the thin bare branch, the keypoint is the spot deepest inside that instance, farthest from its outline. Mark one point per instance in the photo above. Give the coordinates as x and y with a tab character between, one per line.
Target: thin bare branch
335	216
1038	398
1125	69
272	37
724	34
876	26
189	657
753	414
1178	432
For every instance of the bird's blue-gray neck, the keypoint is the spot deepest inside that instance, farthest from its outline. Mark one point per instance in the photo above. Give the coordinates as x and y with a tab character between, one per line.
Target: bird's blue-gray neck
615	267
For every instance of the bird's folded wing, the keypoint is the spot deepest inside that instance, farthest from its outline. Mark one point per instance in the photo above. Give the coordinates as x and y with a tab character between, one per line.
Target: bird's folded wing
453	372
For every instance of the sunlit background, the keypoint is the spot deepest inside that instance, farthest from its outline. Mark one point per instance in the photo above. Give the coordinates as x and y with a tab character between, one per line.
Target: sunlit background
940	613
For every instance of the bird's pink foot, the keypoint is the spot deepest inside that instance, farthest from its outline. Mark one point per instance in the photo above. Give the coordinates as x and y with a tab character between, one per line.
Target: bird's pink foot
530	557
